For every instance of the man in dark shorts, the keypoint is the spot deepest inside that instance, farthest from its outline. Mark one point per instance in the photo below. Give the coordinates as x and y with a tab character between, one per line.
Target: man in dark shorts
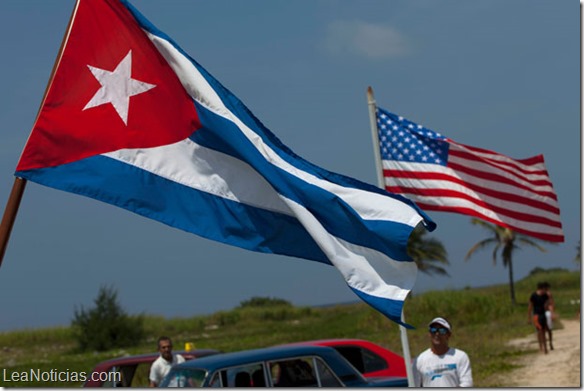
536	314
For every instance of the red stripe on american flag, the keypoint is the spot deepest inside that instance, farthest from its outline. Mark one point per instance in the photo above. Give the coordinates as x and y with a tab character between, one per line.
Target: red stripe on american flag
472	212
518	173
530	161
479	202
418	175
501	179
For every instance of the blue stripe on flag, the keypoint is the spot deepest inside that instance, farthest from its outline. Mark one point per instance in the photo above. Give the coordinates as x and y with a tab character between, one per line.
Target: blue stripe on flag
337	217
179	206
386	306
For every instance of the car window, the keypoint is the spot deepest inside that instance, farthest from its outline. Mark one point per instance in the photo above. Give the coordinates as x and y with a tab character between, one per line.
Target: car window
141	375
249	375
326	375
119	376
364	360
297	372
372	361
184	377
131	375
302	372
113	378
216	381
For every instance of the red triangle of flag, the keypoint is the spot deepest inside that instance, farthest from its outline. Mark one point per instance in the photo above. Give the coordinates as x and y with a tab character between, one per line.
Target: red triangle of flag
99	103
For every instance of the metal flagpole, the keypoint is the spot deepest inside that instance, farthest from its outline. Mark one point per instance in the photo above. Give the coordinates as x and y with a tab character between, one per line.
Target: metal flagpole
381	183
375	137
19	185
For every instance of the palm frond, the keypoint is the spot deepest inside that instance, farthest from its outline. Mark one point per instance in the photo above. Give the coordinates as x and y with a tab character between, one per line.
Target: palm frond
505	240
532	243
484	224
429	254
480	245
495	251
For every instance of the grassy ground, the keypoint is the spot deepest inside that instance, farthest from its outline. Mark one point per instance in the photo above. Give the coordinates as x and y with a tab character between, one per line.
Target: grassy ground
483	321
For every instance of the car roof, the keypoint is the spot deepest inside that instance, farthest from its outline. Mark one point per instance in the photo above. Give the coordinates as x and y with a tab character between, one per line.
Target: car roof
340	342
150	357
334	341
249	356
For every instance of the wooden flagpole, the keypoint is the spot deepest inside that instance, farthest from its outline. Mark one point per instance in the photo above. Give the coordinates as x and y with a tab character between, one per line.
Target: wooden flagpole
10	214
381	183
19	185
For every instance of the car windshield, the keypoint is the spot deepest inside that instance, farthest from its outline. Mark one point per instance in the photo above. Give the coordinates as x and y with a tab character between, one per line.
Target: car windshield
189	377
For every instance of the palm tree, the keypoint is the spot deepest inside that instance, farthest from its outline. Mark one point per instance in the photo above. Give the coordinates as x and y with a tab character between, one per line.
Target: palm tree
428	254
505	240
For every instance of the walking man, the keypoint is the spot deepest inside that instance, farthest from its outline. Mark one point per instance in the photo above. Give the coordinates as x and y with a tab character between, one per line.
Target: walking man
536	314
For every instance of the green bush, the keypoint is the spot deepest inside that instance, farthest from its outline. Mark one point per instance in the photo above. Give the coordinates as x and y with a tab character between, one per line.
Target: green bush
106	326
264	302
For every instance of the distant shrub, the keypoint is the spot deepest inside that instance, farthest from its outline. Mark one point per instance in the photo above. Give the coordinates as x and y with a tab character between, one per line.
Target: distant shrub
226	318
539	270
278	314
264	302
106	326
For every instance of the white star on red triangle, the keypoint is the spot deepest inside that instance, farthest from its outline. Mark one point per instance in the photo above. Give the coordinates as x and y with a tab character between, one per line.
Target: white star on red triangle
117	87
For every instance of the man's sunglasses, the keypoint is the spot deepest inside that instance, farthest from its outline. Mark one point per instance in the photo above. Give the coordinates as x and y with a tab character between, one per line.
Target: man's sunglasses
441	330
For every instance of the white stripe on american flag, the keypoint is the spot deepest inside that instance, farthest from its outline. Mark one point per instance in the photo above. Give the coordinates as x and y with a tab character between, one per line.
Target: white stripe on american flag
541	231
533	164
537	180
451	178
454	198
516	208
446	188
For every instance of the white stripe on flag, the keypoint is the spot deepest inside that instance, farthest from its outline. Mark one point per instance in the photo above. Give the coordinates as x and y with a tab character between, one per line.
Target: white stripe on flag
207	170
443	184
386	208
224	176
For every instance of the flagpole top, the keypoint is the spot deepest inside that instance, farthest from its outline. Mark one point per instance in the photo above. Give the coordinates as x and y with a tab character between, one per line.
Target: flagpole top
370	97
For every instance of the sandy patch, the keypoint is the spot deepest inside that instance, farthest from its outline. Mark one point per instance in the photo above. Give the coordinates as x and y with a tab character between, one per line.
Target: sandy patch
559	368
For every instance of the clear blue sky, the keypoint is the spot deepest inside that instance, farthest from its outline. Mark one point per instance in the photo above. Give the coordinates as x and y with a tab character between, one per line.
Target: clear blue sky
498	74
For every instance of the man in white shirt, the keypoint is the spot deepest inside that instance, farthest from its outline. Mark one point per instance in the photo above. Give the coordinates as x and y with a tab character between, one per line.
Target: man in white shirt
161	366
441	365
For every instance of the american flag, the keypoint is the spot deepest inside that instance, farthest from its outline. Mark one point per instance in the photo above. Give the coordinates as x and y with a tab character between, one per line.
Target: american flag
442	175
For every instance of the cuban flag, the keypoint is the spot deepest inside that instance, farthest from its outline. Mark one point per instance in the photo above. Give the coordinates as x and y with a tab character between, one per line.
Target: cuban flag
131	120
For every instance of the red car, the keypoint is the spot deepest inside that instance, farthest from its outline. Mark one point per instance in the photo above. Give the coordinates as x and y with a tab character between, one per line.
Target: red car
132	371
367	357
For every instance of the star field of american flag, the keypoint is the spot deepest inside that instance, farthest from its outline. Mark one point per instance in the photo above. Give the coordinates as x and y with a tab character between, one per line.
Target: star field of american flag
403	140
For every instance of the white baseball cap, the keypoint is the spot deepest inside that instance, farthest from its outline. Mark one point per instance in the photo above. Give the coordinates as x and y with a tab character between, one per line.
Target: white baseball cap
441	322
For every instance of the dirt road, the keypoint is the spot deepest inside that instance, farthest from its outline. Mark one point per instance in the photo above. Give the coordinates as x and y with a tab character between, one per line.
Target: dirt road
559	368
